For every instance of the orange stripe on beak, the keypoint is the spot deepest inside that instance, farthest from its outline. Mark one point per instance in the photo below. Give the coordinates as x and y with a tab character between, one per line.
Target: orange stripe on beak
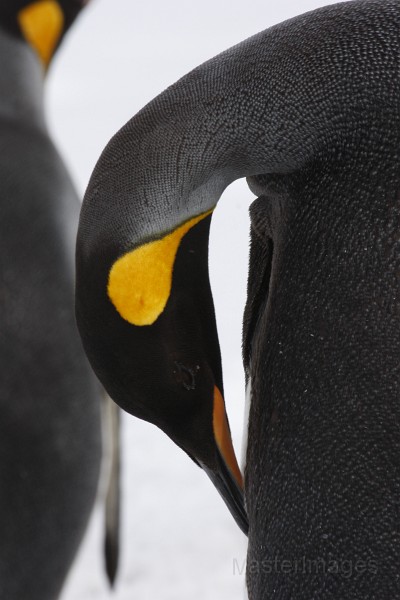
223	437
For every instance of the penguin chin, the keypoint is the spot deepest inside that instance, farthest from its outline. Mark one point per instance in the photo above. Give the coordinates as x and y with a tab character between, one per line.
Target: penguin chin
230	491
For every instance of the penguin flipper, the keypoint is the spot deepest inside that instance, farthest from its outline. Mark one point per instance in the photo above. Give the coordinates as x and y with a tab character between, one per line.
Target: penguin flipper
113	496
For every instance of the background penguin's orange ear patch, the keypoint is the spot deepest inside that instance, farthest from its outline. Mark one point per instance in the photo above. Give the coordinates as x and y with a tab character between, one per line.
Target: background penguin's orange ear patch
139	282
42	25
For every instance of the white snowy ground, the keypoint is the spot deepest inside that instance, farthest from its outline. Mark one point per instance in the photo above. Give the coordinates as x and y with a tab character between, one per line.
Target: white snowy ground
178	539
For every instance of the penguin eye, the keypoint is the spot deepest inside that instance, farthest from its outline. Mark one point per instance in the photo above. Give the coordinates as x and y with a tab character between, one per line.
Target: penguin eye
186	376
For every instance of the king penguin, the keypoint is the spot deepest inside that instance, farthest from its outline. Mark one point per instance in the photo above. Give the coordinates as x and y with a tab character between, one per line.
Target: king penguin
309	112
50	442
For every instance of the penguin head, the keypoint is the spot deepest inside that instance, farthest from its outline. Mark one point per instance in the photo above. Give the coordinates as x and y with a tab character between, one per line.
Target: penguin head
41	23
147	322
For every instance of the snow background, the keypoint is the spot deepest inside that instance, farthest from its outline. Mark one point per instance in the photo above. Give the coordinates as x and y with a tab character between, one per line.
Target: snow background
178	539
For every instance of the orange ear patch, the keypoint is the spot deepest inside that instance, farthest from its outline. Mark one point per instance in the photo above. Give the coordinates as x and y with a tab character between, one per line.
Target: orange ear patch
139	282
42	25
223	437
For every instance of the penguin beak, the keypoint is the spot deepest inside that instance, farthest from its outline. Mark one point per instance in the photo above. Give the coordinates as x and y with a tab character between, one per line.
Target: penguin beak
231	492
227	477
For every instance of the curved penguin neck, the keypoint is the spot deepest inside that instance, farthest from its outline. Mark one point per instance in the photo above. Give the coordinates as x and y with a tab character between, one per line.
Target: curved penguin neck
21	83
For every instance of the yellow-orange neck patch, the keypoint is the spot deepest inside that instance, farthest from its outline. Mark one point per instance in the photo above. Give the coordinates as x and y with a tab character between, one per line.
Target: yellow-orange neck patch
139	283
223	436
42	25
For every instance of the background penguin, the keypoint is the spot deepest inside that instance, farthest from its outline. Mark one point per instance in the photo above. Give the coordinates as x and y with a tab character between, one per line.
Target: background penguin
292	109
50	446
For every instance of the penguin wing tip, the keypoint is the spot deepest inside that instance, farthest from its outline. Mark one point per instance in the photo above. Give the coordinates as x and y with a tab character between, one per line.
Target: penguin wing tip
111	560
